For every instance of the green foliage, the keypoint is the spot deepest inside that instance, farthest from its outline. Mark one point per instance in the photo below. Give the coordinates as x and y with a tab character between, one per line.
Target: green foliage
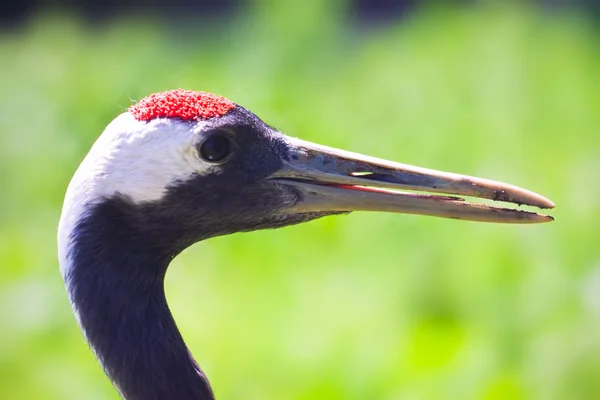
367	306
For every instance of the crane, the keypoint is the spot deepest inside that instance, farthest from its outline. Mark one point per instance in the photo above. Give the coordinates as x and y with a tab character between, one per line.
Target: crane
182	166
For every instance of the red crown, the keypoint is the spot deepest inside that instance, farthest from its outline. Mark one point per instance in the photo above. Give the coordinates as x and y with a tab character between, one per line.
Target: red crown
185	104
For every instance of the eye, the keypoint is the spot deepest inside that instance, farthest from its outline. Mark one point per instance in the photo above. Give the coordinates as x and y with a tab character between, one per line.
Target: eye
215	148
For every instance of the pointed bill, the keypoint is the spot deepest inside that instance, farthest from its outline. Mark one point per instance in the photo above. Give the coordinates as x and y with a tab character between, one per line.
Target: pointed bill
329	179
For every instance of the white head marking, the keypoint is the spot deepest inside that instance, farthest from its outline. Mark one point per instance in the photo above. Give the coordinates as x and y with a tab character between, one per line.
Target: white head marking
135	159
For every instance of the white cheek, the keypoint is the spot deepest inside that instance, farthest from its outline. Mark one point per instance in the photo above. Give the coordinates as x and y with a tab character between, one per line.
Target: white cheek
139	160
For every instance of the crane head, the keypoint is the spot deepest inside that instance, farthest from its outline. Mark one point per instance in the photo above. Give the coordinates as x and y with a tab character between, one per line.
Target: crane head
197	165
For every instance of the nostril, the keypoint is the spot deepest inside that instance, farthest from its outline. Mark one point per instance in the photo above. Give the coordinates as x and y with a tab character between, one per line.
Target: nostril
373	176
361	173
379	177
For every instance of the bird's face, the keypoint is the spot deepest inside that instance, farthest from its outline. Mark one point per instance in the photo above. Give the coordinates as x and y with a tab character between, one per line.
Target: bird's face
191	165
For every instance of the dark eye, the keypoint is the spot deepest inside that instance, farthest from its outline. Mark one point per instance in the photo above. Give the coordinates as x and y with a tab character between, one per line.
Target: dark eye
215	148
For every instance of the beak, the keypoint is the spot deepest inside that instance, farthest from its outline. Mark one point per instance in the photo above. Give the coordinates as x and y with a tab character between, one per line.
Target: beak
332	180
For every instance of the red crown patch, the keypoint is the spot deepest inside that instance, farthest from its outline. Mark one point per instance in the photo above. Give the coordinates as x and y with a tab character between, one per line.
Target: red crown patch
184	104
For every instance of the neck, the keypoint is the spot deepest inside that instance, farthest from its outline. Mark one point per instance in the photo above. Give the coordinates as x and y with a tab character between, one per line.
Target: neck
115	282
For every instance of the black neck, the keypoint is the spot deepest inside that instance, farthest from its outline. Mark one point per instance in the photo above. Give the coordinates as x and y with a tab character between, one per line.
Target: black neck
115	281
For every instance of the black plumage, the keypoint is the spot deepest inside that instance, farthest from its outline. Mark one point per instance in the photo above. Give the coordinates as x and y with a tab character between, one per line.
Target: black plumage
121	251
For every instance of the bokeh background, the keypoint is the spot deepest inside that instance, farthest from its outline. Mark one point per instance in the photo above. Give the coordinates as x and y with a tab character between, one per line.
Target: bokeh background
365	306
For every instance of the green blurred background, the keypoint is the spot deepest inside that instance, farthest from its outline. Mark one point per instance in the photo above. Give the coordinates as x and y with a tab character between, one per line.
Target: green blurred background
365	306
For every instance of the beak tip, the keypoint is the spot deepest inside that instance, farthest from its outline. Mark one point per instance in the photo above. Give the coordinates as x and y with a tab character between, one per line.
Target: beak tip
548	218
536	200
546	203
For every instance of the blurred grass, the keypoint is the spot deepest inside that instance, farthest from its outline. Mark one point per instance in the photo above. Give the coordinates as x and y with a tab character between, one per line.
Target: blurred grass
368	306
